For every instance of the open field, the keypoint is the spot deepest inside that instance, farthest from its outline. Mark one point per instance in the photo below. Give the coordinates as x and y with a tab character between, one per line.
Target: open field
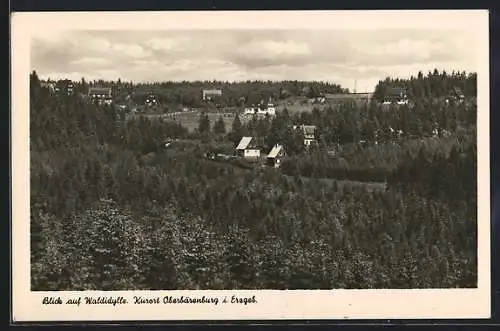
190	120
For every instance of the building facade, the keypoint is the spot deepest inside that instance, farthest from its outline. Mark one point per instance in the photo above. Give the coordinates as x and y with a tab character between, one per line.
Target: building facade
263	110
396	95
275	156
48	85
211	94
309	133
64	87
248	149
101	95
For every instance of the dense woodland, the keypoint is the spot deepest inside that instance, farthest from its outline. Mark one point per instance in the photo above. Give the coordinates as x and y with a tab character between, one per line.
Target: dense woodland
112	210
433	85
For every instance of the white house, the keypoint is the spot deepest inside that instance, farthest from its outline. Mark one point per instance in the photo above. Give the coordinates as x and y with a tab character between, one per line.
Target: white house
270	109
261	110
101	95
249	111
275	155
309	133
210	94
248	148
48	85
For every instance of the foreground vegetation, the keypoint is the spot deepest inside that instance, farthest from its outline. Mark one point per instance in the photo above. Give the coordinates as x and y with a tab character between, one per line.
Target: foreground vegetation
111	210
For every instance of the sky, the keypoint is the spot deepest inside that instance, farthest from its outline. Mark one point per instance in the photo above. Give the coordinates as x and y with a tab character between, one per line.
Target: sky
352	58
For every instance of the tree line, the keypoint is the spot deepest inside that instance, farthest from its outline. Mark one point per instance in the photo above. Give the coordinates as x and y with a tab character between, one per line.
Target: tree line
189	94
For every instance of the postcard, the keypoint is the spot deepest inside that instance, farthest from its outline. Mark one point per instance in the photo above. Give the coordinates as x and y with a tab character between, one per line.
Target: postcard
256	165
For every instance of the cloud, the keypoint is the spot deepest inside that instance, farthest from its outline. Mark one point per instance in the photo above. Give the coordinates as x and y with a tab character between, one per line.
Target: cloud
336	56
91	61
98	44
269	52
167	44
133	51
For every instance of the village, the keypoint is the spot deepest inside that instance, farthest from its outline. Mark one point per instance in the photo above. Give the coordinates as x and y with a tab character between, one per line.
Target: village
250	151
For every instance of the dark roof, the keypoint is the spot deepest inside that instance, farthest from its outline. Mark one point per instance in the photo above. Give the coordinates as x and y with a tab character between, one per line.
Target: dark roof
457	90
396	91
64	83
212	91
309	129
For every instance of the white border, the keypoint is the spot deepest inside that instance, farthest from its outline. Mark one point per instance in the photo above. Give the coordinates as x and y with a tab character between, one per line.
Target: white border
335	304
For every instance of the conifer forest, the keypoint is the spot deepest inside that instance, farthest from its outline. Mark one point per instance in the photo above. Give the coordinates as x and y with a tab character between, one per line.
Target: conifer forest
385	198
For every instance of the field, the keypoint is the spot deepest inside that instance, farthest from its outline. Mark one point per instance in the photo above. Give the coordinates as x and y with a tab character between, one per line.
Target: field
190	120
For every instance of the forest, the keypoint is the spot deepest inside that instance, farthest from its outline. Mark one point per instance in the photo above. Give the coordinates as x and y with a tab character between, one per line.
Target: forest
434	85
111	209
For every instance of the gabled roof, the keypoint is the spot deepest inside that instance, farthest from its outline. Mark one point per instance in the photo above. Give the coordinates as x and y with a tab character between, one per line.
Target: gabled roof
244	142
275	151
457	90
396	91
306	129
216	91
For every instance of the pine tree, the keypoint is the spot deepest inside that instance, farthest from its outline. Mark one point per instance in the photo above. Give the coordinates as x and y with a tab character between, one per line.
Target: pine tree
237	130
219	126
204	123
236	126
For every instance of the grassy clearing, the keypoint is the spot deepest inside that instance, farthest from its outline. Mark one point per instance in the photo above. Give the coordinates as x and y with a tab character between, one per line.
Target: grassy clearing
190	120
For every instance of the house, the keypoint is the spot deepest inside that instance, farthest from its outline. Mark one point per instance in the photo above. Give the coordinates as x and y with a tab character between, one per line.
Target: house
64	87
48	85
151	101
211	94
457	94
122	107
309	132
396	95
268	109
261	109
248	149
249	110
101	95
316	100
275	155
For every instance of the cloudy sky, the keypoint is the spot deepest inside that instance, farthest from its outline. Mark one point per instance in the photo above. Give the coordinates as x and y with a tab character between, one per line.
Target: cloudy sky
342	57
